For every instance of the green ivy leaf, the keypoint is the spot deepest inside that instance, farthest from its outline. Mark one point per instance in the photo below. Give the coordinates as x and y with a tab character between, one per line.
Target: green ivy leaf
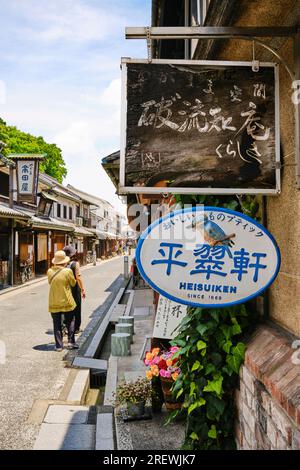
212	433
226	330
202	329
239	350
227	346
214	386
180	342
234	362
194	436
192	388
201	345
209	368
236	329
179	393
196	366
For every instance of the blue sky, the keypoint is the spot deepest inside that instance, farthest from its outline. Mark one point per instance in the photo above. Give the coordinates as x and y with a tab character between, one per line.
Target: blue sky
60	69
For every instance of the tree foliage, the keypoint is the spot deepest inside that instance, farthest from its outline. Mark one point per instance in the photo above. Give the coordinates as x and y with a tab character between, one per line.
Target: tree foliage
21	142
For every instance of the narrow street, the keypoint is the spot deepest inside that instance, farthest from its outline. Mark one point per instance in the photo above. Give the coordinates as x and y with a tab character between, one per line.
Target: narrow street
33	370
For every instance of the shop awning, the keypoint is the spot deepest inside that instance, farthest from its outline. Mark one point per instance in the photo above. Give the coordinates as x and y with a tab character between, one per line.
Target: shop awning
83	232
6	211
51	224
102	234
49	197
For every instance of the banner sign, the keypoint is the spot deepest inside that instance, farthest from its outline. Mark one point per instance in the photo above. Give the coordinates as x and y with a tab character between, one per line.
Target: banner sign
27	176
199	127
208	257
168	316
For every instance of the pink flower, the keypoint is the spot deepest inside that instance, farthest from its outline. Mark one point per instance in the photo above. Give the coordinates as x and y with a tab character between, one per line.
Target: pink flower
173	349
155	360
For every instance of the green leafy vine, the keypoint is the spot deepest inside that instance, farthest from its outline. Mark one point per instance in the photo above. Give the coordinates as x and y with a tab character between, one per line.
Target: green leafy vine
211	353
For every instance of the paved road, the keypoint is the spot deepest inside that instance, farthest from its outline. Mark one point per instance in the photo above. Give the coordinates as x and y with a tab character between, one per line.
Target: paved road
33	370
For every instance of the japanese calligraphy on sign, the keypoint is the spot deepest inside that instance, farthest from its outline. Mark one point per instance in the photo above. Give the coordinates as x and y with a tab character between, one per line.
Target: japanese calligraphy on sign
200	127
208	256
168	316
27	171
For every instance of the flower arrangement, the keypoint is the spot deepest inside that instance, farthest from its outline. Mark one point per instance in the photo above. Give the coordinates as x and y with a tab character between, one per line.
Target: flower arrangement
161	363
133	392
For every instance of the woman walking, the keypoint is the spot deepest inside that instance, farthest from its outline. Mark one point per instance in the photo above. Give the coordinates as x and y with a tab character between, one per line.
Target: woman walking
78	290
61	301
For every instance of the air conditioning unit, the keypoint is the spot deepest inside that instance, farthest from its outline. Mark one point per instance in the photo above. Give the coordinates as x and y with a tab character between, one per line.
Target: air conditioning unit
79	221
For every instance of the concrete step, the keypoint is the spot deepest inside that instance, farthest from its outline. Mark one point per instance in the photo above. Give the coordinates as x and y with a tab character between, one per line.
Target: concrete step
66	427
79	388
104	432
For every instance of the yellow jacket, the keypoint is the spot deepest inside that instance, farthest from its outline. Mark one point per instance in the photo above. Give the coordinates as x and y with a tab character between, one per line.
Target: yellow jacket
60	294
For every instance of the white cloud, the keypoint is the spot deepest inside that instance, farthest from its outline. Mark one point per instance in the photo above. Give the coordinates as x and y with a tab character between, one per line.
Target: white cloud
72	20
111	96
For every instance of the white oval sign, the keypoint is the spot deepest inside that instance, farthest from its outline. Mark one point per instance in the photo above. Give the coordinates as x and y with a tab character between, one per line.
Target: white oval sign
208	257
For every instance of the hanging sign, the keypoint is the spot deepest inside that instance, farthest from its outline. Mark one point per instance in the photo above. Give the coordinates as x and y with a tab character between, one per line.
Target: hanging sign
208	257
27	166
199	127
168	316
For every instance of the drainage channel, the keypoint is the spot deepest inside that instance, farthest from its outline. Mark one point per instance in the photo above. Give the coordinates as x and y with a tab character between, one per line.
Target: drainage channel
100	346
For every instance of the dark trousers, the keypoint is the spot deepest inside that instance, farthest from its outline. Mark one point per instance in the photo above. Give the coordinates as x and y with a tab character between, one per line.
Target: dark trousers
77	312
69	320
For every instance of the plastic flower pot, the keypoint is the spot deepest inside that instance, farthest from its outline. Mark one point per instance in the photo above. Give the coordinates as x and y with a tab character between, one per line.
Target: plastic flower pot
170	401
136	409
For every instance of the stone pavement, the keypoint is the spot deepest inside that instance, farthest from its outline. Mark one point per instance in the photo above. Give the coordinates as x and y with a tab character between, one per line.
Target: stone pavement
33	370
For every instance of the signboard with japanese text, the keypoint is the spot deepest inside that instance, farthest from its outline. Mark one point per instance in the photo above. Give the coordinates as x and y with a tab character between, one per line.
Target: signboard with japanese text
27	175
199	127
168	316
208	257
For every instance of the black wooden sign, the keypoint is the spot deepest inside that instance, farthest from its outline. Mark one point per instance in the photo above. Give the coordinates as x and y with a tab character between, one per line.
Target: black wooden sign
199	127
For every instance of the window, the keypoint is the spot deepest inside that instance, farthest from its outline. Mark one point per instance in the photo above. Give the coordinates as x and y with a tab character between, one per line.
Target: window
58	210
70	213
65	212
4	184
77	210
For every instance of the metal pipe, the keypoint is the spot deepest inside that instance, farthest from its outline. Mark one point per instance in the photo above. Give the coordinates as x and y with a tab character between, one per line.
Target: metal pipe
186	23
208	32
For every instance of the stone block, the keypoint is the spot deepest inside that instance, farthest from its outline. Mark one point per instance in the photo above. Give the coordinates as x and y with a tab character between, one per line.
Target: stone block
296	439
282	422
120	344
65	437
104	432
79	388
89	363
272	433
249	380
65	414
125	328
248	416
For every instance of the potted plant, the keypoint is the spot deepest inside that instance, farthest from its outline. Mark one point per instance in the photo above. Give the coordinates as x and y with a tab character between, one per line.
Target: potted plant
163	364
134	395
